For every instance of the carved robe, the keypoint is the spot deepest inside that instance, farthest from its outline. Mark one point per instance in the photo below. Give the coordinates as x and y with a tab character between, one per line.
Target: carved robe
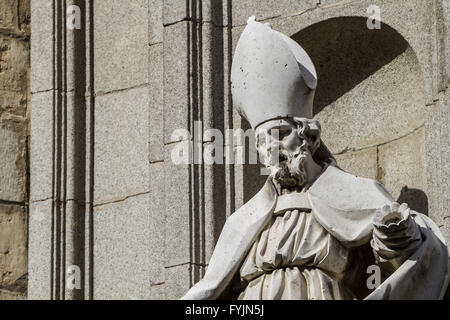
295	258
316	245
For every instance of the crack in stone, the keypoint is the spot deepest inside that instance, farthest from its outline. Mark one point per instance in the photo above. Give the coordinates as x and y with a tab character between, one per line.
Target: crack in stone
157	284
42	91
348	150
155	43
122	199
184	264
41	200
201	22
103	93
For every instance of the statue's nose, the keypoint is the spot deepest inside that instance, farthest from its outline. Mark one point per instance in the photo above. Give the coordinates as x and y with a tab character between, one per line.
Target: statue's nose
291	142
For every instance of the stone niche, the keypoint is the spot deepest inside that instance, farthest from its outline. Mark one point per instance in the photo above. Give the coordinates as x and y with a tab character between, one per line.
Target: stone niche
370	102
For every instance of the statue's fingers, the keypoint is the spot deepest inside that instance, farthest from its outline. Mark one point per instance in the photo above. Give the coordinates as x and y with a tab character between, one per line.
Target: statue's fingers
395	207
386	209
403	207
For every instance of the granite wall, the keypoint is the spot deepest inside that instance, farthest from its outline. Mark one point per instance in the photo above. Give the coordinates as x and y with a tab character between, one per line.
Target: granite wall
90	182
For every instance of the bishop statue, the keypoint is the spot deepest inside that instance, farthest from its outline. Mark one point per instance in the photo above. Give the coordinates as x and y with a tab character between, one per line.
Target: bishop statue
313	230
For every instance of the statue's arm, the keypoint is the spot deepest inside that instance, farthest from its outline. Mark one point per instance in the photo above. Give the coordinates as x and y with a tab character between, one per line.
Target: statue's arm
412	255
396	236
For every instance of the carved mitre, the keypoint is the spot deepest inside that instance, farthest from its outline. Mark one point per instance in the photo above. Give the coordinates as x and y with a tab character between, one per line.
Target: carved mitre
272	76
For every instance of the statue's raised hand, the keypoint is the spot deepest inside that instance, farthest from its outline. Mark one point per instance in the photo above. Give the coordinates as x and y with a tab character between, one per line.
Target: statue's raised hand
391	217
395	235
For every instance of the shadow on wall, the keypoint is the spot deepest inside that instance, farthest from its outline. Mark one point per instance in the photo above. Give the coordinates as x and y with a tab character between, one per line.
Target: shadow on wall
416	199
345	52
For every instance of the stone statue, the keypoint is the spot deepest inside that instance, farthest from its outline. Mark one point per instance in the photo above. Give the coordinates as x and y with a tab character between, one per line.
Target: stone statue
313	231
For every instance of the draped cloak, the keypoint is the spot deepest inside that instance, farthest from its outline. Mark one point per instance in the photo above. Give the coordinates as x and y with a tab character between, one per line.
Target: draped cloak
345	206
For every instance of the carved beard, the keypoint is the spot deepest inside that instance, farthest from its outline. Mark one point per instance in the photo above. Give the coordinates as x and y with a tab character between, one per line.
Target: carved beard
290	170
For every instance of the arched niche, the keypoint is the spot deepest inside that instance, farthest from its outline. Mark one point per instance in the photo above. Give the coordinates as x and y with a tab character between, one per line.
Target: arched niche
370	101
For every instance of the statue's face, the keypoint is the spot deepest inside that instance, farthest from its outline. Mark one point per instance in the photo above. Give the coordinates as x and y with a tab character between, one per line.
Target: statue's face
286	146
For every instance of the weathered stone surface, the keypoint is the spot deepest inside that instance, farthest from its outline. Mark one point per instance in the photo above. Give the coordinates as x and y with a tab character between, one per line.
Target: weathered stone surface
176	73
175	11
434	160
76	243
158	217
214	77
445	227
158	292
178	281
416	26
402	170
42	45
77	146
14	69
445	163
216	12
41	145
328	3
156	103
178	209
13	245
440	61
121	250
437	162
14	64
12	158
155	13
15	16
40	250
361	163
121	145
215	209
235	35
24	10
8	295
8	14
121	32
13	106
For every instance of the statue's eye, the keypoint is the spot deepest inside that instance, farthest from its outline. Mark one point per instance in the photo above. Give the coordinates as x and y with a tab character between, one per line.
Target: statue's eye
284	132
313	134
310	136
